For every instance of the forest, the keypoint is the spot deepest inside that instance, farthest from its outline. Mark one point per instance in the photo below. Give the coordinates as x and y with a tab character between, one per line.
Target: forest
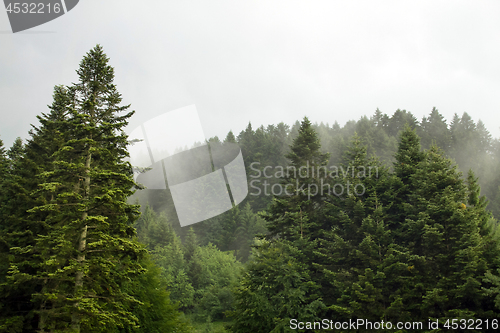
385	219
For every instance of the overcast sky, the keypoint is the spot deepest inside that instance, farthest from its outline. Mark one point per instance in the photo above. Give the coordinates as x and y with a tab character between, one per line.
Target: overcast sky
264	61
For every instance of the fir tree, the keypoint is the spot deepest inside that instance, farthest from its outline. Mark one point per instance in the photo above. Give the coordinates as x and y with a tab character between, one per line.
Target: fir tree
230	138
16	151
76	255
275	288
291	216
190	245
434	129
280	281
362	267
26	164
88	252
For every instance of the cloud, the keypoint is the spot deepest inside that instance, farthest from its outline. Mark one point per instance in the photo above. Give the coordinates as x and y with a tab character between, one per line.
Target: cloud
266	61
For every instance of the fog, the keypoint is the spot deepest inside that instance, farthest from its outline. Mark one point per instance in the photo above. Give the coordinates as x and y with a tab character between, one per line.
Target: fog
264	62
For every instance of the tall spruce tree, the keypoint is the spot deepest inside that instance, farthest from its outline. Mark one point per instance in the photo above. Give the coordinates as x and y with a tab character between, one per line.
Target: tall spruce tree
279	283
84	251
291	215
442	222
75	263
363	270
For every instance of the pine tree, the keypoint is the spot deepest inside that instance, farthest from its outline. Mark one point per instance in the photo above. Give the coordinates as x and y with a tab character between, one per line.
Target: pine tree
275	288
87	252
230	138
279	283
19	229
77	254
190	245
4	170
363	270
291	216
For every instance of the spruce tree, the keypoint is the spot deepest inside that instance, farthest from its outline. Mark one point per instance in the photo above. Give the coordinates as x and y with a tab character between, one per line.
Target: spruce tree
86	251
19	228
230	138
69	228
4	169
280	282
16	151
434	129
363	269
275	288
190	245
290	216
442	222
250	226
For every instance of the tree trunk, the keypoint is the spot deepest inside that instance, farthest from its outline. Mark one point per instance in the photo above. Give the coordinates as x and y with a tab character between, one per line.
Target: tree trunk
75	319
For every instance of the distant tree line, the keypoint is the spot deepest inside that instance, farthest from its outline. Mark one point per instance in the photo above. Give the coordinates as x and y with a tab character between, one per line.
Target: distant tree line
419	244
84	249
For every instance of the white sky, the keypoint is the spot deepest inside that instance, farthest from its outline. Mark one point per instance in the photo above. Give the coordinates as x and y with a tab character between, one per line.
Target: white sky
264	61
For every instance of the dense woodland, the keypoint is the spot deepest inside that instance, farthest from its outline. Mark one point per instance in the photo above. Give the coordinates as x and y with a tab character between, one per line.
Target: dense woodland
83	248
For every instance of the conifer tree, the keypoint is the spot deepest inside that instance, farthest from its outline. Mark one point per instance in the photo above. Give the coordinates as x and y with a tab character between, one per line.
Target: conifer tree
275	288
250	226
363	269
433	129
280	281
442	222
4	169
76	255
87	253
15	152
290	216
408	155
230	138
156	313
26	163
190	245
407	159
399	120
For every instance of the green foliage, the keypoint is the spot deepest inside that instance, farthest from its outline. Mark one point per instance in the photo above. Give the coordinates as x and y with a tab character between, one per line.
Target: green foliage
66	228
156	313
293	216
214	274
167	252
278	284
175	271
199	278
275	288
417	243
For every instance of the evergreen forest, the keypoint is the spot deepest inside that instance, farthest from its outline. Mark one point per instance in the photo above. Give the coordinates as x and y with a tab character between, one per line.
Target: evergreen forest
386	219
